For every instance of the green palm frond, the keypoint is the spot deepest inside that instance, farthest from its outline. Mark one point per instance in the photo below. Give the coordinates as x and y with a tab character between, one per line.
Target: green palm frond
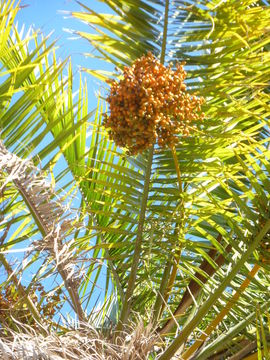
135	25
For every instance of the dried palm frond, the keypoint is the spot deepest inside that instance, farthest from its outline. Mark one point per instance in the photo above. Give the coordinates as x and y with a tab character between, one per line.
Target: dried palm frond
54	220
84	344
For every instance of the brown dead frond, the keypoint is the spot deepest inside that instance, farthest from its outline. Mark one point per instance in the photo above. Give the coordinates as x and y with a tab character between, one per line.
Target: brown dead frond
85	344
53	219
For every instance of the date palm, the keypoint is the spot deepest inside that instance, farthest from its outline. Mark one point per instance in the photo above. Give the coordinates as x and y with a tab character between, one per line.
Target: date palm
181	234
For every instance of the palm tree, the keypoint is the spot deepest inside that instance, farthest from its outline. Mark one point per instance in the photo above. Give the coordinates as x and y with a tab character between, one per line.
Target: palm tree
182	233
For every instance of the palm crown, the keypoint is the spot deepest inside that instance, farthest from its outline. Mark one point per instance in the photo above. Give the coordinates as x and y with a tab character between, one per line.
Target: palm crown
182	231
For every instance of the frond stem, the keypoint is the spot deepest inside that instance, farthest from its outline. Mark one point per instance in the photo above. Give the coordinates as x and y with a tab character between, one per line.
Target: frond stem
177	168
168	281
165	31
137	251
136	256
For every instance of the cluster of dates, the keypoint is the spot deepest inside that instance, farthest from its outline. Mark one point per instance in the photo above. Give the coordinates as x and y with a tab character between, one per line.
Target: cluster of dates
150	104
